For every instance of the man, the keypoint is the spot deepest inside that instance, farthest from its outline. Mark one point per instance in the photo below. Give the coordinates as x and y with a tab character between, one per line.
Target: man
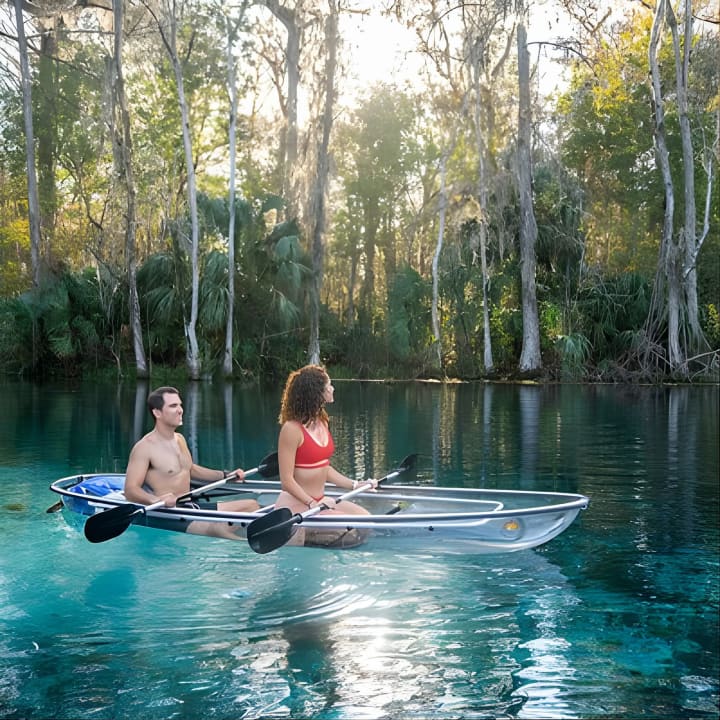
160	466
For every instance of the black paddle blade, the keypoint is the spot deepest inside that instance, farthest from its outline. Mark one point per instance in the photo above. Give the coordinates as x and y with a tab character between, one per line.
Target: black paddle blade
110	523
269	465
266	533
56	507
408	463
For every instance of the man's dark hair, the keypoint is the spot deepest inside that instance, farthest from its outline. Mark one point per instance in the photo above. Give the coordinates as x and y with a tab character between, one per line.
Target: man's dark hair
156	399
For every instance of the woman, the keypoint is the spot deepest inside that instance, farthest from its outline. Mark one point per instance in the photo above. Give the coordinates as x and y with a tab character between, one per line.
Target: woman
305	447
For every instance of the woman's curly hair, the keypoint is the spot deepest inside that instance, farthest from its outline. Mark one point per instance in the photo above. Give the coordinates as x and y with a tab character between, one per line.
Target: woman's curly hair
302	398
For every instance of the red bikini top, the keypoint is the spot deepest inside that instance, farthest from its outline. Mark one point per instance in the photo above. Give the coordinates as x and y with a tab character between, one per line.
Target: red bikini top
311	454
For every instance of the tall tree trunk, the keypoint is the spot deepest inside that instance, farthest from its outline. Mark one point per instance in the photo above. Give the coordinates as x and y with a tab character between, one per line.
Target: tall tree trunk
321	181
487	338
370	224
123	137
437	345
232	132
289	19
46	129
193	351
530	358
482	194
169	38
669	271
33	196
689	240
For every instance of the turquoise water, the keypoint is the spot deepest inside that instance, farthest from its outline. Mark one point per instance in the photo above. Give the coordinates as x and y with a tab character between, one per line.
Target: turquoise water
617	617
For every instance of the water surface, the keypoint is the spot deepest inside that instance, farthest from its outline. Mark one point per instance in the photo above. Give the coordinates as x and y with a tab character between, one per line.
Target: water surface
617	617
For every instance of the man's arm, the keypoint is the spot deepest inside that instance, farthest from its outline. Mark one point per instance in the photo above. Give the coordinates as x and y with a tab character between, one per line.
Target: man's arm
200	472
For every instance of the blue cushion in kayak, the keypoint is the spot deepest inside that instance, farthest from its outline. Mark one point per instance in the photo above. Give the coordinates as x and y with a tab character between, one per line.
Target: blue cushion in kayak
98	485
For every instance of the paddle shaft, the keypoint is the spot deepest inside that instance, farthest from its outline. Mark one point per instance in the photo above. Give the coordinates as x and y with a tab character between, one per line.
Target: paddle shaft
355	491
346	496
192	493
268	467
111	523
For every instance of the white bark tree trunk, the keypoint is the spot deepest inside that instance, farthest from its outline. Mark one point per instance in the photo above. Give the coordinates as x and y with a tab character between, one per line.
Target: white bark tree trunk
289	18
33	197
437	345
530	357
169	39
321	181
123	137
232	139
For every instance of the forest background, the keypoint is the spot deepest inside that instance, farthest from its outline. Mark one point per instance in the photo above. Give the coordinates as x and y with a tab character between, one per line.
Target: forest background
209	186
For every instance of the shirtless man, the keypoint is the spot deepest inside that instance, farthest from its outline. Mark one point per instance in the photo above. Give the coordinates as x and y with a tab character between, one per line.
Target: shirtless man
160	466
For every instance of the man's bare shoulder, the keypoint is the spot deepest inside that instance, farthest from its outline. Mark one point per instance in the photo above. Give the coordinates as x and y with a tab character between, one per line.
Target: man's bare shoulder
144	446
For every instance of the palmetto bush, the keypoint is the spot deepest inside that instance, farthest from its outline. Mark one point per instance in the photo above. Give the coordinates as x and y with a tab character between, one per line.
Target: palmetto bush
58	327
611	313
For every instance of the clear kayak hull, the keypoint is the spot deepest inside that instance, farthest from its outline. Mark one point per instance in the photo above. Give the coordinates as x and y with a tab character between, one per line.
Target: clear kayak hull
423	519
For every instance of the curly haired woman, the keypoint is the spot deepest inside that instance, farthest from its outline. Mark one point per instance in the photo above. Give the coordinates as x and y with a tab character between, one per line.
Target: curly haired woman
305	447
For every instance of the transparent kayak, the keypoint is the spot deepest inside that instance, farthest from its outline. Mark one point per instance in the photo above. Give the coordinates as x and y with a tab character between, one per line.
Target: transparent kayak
425	519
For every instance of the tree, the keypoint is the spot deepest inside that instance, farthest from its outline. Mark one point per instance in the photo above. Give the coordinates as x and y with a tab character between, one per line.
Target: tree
318	200
641	172
124	144
679	248
231	33
530	357
377	155
293	23
167	25
485	64
33	196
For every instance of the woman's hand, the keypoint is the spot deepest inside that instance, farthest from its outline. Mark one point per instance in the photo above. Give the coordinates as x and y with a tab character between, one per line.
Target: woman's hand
370	481
325	500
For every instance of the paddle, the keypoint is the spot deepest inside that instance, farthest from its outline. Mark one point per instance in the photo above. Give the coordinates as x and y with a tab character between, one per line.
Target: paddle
268	468
111	523
267	533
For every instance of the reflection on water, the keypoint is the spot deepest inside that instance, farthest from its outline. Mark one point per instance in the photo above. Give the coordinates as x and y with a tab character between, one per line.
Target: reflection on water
617	617
397	638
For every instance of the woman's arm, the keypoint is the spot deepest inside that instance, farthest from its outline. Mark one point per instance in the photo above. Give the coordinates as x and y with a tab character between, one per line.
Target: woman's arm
342	481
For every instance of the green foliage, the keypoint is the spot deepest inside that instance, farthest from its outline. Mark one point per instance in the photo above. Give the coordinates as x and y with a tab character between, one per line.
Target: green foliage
711	325
551	324
363	350
574	351
560	247
17	342
214	295
14	257
408	325
611	312
160	289
60	327
460	289
506	333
